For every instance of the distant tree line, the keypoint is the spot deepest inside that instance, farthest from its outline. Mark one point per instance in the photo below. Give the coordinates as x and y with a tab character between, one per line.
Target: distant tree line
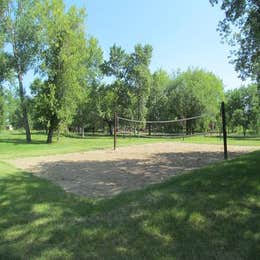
74	88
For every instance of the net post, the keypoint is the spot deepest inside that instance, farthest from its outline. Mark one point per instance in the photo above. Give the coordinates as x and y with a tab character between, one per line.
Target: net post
223	115
115	129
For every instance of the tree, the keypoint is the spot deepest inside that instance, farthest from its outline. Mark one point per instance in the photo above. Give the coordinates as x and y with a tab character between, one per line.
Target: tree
88	105
116	66
62	63
139	78
20	28
131	80
1	107
157	97
108	104
242	109
5	75
193	93
241	28
116	96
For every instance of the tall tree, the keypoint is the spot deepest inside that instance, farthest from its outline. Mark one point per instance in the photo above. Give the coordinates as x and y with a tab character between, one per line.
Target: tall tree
131	80
139	78
193	93
5	76
4	71
242	109
157	97
117	96
20	29
62	67
88	105
241	27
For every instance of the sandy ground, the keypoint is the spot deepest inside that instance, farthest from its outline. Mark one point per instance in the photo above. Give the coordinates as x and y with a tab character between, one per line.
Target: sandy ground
104	173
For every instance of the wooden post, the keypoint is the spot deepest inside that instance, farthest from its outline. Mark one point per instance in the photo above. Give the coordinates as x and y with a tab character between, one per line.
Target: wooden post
115	130
223	114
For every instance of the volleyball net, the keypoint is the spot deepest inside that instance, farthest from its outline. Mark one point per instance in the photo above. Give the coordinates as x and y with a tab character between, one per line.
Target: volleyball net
180	127
204	124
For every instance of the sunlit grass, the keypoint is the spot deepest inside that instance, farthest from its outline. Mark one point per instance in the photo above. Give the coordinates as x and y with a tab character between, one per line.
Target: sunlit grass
12	144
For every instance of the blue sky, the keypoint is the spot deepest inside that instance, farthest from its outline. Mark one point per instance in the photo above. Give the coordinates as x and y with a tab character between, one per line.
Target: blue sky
182	32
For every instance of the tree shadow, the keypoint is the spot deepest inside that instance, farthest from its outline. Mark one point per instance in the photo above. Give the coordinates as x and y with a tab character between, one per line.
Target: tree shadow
86	136
17	141
246	138
212	213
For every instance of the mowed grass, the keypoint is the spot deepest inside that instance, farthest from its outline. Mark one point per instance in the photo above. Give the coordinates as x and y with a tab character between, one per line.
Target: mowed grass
210	213
232	140
12	144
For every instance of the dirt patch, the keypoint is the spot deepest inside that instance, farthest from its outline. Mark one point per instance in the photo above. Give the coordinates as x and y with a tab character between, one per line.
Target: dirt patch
104	173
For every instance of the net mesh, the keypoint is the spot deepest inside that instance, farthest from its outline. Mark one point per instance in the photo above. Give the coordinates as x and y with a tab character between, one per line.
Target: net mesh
176	127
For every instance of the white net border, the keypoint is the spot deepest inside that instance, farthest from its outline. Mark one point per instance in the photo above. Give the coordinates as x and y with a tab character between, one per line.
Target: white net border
160	122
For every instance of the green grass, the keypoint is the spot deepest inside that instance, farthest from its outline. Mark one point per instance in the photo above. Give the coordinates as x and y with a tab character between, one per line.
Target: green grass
211	213
232	140
13	144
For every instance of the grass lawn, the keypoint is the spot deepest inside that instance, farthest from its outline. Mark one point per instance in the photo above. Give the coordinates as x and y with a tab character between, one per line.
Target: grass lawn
211	213
13	144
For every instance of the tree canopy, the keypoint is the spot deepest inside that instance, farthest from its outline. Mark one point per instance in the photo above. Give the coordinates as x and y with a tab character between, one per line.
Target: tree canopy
75	88
241	28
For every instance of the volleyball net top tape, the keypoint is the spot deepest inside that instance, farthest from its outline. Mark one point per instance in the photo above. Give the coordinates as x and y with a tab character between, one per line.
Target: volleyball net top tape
161	122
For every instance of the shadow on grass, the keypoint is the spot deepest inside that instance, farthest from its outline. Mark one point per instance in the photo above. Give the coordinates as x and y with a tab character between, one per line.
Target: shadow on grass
212	213
86	136
245	138
21	141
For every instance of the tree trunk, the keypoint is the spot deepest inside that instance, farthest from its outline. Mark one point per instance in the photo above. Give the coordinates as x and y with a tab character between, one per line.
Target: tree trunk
83	132
258	93
53	125
24	109
110	128
110	124
50	135
244	132
149	129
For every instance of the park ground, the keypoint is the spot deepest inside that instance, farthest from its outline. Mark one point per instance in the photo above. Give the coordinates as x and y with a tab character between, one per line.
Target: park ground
208	213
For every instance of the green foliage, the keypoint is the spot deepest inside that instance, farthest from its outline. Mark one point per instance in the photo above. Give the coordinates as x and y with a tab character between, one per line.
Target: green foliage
1	107
69	93
195	92
139	78
62	63
5	75
132	80
117	95
157	98
20	30
242	109
117	64
241	28
88	106
12	109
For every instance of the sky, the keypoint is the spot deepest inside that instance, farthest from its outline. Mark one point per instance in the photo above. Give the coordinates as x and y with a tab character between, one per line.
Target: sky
182	32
